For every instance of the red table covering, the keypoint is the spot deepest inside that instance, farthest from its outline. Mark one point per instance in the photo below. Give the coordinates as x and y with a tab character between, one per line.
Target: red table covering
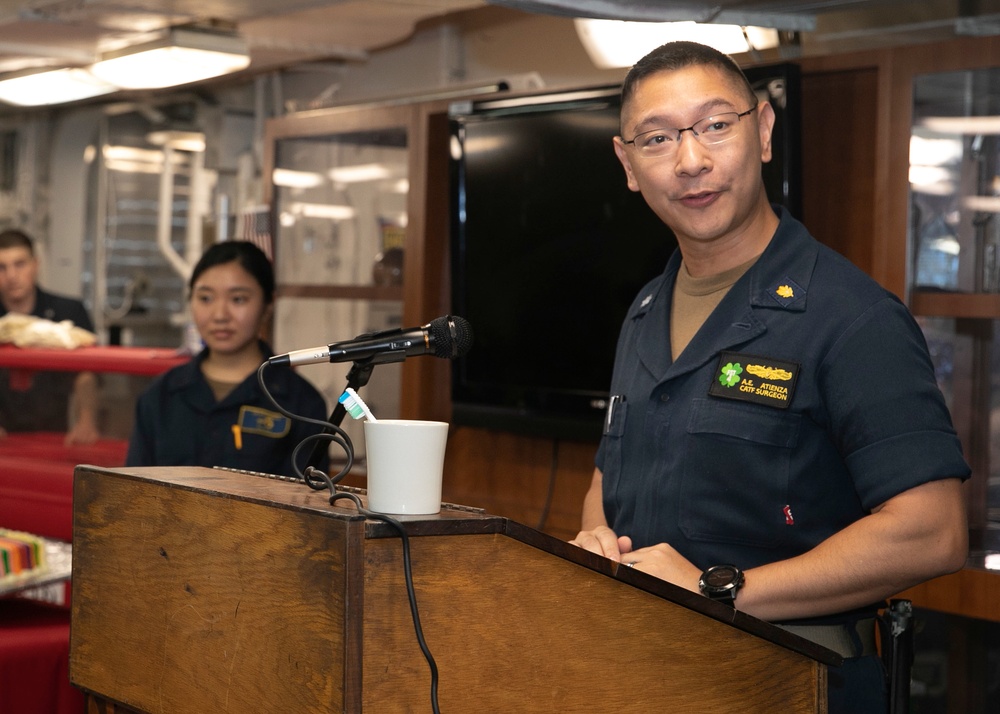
148	361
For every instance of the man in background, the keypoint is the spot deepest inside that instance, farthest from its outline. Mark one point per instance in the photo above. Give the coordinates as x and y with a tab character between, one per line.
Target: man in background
36	400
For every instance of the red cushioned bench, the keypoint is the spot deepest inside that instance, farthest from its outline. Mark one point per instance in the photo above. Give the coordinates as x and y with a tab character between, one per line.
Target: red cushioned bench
36	495
36	480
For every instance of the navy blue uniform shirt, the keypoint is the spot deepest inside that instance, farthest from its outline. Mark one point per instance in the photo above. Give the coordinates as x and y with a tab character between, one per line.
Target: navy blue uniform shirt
179	423
805	400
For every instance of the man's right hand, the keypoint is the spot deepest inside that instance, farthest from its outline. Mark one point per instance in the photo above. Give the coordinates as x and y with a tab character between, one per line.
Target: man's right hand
603	541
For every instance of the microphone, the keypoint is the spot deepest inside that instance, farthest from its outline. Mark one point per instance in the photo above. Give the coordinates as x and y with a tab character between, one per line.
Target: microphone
448	337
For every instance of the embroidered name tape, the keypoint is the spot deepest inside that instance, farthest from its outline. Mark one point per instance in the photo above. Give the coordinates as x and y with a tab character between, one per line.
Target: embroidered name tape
254	420
759	380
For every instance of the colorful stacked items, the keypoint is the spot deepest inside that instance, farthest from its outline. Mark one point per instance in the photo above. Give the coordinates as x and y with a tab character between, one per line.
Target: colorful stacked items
21	555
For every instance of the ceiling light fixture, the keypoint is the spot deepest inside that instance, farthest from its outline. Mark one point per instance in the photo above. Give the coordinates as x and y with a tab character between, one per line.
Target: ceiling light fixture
615	43
181	56
192	141
290	178
334	212
364	172
51	86
970	125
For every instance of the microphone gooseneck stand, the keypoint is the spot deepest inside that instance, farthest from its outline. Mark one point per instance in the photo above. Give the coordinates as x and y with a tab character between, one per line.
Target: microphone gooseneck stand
357	377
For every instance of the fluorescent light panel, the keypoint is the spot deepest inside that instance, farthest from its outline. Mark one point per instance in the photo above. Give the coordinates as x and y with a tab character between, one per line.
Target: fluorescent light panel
179	57
615	43
962	125
133	159
322	210
193	141
361	173
290	178
54	86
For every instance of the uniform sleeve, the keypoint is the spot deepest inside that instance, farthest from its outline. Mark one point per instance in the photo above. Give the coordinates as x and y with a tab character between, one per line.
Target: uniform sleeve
887	413
67	308
80	317
141	443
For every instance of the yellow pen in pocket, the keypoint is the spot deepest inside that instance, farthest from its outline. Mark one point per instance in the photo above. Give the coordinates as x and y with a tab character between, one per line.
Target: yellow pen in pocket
237	436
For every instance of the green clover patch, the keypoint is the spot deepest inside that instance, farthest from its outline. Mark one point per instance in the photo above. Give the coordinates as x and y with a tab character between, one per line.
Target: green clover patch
730	375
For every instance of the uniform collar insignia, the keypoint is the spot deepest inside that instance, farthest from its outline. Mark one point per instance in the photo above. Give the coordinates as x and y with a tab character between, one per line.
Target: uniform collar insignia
786	292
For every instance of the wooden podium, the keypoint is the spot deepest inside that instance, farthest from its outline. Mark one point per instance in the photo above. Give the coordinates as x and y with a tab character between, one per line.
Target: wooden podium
204	590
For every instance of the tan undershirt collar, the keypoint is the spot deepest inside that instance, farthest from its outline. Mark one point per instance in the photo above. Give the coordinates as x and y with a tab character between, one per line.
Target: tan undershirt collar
695	299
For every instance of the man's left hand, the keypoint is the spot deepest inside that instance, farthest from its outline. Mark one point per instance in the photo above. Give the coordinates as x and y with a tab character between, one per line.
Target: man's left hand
665	562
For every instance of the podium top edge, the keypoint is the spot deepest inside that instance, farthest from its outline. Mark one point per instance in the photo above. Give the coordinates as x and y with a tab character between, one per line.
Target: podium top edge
284	492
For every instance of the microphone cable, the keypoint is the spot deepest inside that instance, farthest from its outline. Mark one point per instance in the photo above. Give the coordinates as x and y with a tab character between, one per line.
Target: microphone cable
319	480
339	436
550	494
411	593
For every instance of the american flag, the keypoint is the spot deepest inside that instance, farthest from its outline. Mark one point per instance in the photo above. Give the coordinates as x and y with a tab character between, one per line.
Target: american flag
255	224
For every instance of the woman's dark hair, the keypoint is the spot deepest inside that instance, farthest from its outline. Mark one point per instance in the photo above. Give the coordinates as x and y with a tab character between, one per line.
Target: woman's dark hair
678	55
251	258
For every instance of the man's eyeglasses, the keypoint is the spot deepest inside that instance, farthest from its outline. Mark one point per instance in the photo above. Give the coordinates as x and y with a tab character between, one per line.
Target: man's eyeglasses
709	131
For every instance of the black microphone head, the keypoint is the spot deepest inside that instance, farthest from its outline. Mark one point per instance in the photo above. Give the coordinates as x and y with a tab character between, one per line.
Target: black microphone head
450	336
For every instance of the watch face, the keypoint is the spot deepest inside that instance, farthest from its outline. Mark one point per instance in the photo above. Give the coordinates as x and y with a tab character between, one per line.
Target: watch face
721	583
720	576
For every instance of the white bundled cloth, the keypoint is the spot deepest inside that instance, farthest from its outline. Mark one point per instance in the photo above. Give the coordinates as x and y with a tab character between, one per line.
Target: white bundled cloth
30	331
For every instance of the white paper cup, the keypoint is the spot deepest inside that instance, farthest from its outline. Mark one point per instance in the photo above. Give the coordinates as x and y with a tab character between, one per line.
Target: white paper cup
405	465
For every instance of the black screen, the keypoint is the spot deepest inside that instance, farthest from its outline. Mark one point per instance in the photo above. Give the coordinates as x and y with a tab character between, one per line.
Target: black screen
549	248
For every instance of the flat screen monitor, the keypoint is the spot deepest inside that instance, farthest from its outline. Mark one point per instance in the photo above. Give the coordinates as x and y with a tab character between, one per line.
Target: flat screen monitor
549	248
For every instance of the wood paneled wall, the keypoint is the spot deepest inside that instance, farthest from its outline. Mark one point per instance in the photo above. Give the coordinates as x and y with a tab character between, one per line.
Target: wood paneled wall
535	481
839	119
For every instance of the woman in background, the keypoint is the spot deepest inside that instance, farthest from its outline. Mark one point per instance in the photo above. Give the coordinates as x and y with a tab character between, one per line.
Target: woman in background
211	411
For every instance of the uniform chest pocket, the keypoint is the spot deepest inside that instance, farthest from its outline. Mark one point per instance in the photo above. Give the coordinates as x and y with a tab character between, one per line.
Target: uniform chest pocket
735	473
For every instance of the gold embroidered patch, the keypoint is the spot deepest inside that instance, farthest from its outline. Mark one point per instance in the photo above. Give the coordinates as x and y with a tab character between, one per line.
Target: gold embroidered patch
769	372
255	420
752	378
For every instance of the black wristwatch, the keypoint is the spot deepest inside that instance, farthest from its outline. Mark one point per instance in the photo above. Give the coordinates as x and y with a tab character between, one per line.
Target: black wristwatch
721	582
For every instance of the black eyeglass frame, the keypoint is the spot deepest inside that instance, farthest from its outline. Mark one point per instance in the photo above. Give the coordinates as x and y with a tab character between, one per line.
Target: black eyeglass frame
739	117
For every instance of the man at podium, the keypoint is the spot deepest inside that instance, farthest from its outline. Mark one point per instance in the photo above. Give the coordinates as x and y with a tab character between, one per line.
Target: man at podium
775	438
